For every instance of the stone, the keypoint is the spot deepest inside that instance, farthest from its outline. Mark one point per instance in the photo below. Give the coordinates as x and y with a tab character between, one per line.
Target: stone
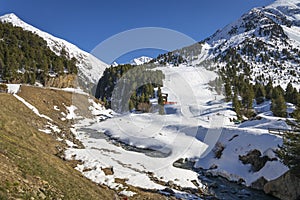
254	158
285	187
259	183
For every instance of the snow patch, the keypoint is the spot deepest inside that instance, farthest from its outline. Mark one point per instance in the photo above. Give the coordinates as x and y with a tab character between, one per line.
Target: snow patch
31	107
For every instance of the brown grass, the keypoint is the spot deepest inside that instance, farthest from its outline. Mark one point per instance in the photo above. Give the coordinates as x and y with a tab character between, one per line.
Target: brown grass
28	165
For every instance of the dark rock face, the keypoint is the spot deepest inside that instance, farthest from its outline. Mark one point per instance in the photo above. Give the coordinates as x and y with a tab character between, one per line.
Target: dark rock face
286	187
255	159
259	183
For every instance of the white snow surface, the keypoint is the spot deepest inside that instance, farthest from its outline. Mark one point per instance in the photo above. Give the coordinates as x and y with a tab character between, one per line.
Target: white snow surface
236	35
189	129
90	68
71	109
141	60
13	88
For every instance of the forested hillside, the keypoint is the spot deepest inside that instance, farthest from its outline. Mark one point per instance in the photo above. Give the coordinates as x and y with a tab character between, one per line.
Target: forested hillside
140	98
26	58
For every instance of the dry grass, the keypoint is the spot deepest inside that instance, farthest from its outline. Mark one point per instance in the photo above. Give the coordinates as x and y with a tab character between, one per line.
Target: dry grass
28	165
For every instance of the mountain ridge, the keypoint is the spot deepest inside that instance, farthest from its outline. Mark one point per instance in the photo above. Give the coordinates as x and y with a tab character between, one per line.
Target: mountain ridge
267	39
90	68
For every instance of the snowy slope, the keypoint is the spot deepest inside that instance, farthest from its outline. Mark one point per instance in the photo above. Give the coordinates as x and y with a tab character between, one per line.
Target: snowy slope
189	130
267	39
90	68
141	60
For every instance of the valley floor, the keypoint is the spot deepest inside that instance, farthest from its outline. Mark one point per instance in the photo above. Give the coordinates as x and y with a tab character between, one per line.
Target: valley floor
132	152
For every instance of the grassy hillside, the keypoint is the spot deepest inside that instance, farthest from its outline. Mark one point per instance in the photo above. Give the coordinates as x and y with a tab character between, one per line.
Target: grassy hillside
29	167
30	161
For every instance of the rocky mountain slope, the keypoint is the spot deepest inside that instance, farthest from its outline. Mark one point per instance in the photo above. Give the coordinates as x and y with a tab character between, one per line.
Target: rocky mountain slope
263	42
90	68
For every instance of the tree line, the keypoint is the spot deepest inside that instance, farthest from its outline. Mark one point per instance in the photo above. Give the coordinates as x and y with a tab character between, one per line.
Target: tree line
133	77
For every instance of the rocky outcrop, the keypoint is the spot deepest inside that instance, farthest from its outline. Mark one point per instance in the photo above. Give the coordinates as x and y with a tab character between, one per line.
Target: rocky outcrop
286	187
254	158
259	183
64	81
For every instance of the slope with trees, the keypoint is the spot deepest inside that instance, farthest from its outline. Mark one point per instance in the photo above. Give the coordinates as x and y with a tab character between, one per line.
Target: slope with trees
26	58
140	97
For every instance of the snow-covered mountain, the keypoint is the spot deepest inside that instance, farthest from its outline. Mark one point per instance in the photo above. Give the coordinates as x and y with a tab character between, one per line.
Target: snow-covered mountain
141	60
266	39
90	68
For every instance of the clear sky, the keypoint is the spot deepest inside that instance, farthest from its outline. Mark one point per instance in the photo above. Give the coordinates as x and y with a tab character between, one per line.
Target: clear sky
86	23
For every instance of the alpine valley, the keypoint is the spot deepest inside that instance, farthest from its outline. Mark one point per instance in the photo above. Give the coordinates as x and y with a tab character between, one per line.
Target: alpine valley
215	120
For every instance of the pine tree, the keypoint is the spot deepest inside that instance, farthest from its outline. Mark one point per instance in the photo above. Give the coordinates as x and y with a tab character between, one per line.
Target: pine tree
228	92
278	106
236	105
296	114
269	90
160	98
289	93
248	97
289	152
295	97
260	93
131	105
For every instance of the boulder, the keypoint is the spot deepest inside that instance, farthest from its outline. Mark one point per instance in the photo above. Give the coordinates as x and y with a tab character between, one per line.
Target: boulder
254	158
259	183
286	187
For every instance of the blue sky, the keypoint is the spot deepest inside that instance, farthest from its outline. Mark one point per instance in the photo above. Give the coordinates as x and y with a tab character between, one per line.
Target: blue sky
87	23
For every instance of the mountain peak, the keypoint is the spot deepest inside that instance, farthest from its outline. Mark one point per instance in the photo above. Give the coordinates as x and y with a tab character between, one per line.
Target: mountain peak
141	60
89	67
9	16
286	3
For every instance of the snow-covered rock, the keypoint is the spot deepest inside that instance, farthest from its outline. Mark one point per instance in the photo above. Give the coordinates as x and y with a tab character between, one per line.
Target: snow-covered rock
141	60
267	39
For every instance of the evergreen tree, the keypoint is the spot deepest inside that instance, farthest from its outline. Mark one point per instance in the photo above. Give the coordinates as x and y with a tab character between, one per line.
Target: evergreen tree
160	98
248	97
289	93
295	97
269	90
289	152
277	91
296	114
236	105
278	106
260	93
228	92
131	105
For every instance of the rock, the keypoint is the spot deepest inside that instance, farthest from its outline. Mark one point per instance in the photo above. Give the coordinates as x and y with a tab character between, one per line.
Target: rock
255	159
218	150
108	171
62	81
170	183
259	183
213	166
286	187
240	181
195	183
